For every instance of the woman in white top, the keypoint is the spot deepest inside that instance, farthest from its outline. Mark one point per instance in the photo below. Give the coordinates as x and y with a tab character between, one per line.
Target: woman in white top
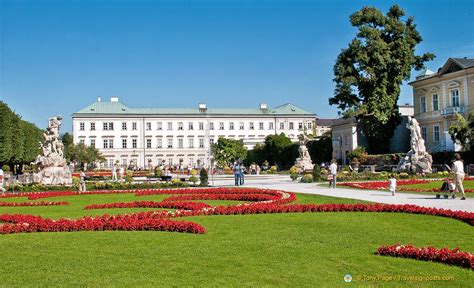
458	170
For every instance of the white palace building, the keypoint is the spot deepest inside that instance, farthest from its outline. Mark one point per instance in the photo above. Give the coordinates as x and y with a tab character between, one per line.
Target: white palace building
145	137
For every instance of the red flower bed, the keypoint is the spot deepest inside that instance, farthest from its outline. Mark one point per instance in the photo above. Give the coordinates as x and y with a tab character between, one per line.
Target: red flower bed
150	204
446	256
378	185
23	204
261	208
30	223
233	197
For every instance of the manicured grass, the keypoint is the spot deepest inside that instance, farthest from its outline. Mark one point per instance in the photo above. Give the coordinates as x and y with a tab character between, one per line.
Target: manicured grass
292	250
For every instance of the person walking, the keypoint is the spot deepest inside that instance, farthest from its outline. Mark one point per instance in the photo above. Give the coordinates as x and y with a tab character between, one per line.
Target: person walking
392	184
82	181
237	174
333	171
242	173
458	170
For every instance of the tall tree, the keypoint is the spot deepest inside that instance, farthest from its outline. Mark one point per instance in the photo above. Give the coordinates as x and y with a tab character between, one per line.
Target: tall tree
228	150
274	148
369	73
461	131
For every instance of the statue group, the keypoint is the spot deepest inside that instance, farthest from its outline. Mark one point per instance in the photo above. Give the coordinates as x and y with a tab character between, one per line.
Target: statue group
303	163
417	160
51	166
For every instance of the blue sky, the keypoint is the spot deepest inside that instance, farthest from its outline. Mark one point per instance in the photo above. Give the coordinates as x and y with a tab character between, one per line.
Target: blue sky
56	57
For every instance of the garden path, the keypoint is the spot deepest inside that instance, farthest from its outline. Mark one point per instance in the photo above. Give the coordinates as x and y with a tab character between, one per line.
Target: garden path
282	182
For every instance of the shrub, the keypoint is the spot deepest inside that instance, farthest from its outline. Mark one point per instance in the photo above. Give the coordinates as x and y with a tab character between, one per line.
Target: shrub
203	177
194	172
294	176
307	178
274	169
6	168
404	175
193	179
294	169
316	173
157	172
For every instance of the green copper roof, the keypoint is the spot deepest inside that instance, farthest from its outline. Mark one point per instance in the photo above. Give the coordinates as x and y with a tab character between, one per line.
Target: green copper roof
120	108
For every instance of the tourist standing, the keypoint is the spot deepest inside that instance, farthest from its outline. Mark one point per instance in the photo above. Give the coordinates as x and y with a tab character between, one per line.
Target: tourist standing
392	184
237	174
114	172
242	173
333	171
458	170
2	180
82	181
121	173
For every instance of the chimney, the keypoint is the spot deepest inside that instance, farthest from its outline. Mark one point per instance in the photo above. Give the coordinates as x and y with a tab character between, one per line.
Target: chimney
114	99
264	107
202	107
99	99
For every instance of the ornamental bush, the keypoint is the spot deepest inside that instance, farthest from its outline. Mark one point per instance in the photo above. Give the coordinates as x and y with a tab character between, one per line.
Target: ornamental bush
203	177
307	178
316	173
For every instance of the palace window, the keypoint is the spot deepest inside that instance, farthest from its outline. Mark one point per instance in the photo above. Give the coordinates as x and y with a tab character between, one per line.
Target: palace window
159	126
270	125
191	142
82	126
190	126
201	142
148	126
211	125
124	125
221	125
201	125
170	125
455	97
124	143
435	102
93	143
424	133
180	143
108	126
241	126
134	143
260	126
291	126
251	127
309	125
231	125
180	125
148	143
282	125
422	104
159	143
170	142
300	125
436	133
92	126
134	125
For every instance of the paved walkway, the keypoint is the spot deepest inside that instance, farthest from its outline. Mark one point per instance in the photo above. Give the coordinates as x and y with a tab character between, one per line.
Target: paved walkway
282	182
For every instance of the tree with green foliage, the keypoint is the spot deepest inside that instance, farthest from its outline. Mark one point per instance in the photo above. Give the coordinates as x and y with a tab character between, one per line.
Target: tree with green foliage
274	147
67	140
82	154
228	150
320	149
369	73
461	131
19	140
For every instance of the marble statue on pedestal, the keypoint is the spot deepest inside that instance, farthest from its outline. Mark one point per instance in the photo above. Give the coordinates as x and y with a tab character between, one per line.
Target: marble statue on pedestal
51	166
417	159
303	163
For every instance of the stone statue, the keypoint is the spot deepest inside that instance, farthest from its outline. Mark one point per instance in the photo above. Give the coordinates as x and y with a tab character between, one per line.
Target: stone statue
303	163
417	159
51	165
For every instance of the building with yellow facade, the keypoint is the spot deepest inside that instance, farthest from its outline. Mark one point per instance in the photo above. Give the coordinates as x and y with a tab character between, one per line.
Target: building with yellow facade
438	96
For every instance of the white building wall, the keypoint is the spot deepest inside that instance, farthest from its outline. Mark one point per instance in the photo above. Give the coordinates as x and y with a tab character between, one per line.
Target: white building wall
141	153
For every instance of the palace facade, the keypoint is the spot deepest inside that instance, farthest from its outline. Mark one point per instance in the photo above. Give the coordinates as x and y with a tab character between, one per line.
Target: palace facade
145	137
438	96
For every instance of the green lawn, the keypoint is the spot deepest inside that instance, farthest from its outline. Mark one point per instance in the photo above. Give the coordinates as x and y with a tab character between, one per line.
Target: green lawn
292	250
